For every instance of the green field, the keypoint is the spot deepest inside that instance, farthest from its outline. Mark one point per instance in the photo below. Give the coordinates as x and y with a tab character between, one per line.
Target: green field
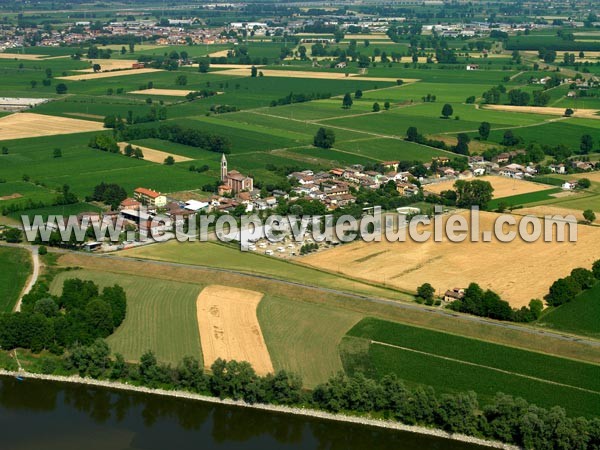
161	315
15	268
452	363
524	199
303	338
580	316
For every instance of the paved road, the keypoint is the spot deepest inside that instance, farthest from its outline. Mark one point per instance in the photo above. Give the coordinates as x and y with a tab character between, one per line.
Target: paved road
377	300
35	257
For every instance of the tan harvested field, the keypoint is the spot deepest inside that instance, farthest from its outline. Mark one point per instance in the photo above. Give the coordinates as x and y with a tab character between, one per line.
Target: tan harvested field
25	125
307	74
229	66
369	37
549	210
167	92
517	271
219	54
229	327
20	56
106	65
587	113
85	115
503	186
155	156
116	73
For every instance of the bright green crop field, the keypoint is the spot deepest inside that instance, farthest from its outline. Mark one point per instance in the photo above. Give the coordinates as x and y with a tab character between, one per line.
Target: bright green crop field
452	363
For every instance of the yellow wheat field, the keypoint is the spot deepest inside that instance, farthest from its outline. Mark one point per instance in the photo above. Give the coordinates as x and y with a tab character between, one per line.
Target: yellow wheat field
229	327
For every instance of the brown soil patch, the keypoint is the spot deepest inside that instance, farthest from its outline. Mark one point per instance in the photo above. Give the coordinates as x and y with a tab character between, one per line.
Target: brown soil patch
219	54
116	73
25	125
85	115
155	156
167	92
312	75
518	271
11	196
20	56
106	65
587	113
229	327
503	186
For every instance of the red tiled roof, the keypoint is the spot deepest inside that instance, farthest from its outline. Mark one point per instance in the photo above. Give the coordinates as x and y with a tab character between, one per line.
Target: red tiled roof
147	192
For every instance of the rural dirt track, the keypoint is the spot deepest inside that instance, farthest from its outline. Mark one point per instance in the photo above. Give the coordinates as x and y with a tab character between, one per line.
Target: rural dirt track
376	300
229	327
34	275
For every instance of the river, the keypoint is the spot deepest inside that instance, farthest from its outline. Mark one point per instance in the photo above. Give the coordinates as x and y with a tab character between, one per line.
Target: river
40	414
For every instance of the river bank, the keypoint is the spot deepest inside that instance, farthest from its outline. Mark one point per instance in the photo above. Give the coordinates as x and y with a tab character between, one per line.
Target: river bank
305	412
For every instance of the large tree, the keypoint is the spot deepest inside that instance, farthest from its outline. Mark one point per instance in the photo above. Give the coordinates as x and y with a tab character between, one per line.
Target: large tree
587	144
484	130
447	110
473	193
325	138
347	101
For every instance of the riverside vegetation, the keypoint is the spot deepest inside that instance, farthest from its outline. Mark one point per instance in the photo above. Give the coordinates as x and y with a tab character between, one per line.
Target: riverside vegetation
77	347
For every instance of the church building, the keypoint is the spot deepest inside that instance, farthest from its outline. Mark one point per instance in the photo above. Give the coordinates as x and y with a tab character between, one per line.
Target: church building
232	181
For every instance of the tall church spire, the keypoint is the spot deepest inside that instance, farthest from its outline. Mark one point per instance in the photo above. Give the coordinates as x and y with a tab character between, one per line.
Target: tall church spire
223	167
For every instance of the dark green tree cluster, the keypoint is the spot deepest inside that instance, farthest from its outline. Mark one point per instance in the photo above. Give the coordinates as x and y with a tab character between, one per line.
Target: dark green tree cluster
180	135
222	109
300	98
425	294
473	193
204	93
517	97
325	138
104	142
487	303
309	248
413	135
566	289
81	314
110	194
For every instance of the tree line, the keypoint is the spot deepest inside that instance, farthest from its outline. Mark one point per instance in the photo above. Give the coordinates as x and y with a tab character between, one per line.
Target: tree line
180	135
487	303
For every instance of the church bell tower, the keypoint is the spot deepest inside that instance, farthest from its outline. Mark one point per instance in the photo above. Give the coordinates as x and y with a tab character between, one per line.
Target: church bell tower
223	167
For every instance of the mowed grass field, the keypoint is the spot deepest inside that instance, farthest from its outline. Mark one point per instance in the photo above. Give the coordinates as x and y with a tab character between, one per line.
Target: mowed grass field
303	338
579	316
15	268
161	315
452	363
230	257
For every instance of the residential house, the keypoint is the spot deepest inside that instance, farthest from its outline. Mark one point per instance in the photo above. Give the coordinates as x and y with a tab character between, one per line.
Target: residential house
452	295
150	198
